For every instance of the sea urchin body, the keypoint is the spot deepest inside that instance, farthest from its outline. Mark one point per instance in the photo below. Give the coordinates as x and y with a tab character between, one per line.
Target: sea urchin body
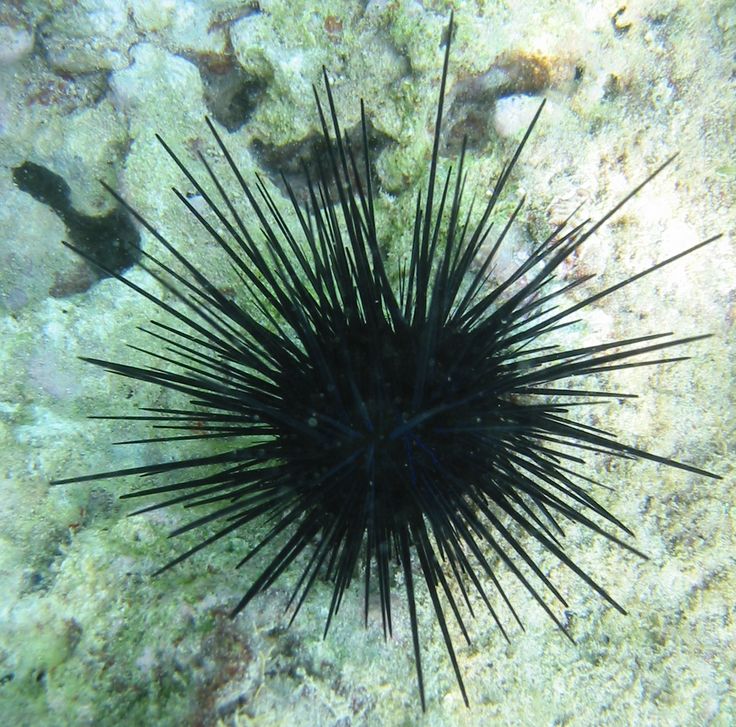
424	424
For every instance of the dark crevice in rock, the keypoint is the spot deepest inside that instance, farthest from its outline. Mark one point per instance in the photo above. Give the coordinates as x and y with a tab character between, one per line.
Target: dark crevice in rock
311	155
227	16
65	92
472	100
231	94
112	240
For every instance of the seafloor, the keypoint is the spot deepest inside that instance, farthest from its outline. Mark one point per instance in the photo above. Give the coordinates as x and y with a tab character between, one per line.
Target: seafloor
87	637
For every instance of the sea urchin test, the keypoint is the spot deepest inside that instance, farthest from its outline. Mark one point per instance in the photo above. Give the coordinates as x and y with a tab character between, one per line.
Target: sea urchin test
417	418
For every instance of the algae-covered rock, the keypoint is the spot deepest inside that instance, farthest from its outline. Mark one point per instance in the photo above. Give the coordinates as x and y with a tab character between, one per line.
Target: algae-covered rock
89	35
32	258
84	148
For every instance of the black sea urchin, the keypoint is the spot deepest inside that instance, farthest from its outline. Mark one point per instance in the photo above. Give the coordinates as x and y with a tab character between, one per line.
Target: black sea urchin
424	423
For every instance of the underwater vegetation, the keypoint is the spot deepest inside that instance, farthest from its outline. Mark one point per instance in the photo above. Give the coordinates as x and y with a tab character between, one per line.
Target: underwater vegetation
418	419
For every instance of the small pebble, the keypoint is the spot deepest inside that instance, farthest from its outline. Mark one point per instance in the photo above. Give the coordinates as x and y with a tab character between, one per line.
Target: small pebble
513	114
